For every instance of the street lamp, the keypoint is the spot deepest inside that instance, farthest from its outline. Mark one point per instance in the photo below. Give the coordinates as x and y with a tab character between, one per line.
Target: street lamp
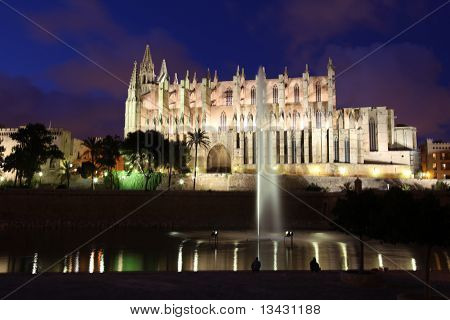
40	174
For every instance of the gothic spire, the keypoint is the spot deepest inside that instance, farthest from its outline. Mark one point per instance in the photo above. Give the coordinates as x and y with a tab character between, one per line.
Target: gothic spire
237	71
147	59
194	78
285	72
306	69
208	74
175	79
147	69
134	79
163	72
330	63
216	78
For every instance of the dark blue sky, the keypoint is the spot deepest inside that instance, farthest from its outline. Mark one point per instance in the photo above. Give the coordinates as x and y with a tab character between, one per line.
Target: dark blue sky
43	80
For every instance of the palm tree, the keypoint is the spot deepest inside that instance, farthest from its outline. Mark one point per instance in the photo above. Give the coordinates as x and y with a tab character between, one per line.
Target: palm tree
196	139
109	153
66	168
94	147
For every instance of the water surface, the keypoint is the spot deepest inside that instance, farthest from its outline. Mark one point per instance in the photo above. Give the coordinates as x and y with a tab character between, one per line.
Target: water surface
121	251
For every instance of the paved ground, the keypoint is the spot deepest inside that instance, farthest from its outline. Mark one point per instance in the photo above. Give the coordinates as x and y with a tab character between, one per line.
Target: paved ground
211	285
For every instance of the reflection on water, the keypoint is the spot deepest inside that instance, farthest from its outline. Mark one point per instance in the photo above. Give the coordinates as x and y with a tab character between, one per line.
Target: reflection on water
150	251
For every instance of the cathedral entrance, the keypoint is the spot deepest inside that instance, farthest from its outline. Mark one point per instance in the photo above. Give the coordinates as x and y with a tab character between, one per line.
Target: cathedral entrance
219	160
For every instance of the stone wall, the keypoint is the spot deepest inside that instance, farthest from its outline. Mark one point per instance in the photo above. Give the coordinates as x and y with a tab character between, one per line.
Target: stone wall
247	182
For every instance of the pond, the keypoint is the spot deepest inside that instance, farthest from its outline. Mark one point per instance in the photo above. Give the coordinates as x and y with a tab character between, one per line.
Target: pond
131	251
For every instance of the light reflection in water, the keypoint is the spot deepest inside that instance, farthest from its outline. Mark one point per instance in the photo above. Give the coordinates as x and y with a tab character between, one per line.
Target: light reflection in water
380	261
413	264
275	256
334	250
34	269
120	261
91	261
316	250
438	261
235	258
180	258
195	266
77	262
344	255
101	261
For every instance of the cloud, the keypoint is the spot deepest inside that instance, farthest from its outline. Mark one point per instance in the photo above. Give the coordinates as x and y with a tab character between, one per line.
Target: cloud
84	115
402	76
87	26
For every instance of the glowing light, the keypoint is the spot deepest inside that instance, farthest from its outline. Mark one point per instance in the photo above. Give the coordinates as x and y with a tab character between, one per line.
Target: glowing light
344	255
105	174
235	259
315	170
70	165
2	179
40	174
275	256
95	180
407	173
34	269
91	261
413	264
181	181
316	250
275	167
180	258
342	171
380	261
375	172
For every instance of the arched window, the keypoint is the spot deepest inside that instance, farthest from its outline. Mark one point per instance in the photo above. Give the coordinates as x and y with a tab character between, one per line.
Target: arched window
336	149
318	92
296	94
253	95
318	119
275	94
373	135
223	122
347	149
229	97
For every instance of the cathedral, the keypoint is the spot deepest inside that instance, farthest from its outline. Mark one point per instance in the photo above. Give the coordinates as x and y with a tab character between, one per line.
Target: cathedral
310	135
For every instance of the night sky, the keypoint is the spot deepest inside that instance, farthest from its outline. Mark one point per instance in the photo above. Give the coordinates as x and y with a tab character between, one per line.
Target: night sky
42	80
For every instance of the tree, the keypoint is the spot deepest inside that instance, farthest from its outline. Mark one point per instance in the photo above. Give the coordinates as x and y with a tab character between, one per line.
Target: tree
66	172
196	139
356	213
175	157
2	151
93	146
108	154
144	152
34	146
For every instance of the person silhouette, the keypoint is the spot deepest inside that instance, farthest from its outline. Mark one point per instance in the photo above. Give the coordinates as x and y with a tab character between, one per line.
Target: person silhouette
256	264
314	265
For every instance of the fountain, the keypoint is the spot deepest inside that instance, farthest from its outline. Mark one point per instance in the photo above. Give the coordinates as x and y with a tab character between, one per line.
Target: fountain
267	192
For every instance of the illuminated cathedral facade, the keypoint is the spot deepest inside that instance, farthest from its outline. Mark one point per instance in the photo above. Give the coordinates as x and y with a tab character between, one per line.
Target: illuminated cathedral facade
310	135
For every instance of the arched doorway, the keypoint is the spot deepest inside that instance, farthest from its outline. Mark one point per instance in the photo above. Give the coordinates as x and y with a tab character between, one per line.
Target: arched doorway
219	160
